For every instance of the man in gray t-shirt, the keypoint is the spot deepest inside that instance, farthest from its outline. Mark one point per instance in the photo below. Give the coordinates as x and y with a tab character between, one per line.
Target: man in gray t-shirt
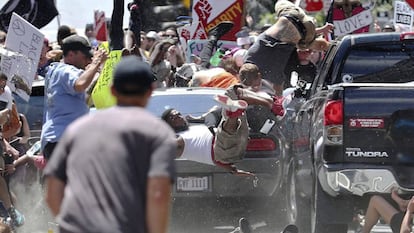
112	170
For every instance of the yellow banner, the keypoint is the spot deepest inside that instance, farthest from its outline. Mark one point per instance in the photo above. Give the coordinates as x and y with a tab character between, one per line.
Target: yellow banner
101	94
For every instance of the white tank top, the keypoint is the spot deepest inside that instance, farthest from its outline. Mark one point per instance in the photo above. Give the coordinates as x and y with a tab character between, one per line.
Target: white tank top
197	144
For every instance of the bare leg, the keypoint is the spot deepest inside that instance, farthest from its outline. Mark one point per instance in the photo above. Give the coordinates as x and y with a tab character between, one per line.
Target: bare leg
378	207
4	193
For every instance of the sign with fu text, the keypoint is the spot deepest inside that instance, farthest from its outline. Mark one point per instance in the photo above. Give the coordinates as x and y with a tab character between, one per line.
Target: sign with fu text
26	41
194	47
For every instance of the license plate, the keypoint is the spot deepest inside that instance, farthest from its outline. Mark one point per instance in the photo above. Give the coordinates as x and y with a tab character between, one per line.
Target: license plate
192	184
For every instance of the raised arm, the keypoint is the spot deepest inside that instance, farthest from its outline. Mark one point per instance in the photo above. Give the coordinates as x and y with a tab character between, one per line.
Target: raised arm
253	98
86	78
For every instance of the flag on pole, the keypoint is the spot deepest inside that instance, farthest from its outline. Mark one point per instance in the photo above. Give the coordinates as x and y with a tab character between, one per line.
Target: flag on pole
100	26
39	13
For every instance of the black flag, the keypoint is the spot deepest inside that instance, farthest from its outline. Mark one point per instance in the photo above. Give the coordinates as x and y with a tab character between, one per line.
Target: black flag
37	12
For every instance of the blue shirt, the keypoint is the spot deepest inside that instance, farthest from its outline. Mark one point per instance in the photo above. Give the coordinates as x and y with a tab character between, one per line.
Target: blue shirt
63	104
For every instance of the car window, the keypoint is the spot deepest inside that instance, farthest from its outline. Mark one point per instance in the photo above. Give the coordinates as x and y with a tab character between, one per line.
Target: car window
195	105
378	63
33	110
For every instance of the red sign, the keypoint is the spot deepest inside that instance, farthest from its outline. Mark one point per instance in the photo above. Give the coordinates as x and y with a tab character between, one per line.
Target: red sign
100	26
209	13
314	5
411	3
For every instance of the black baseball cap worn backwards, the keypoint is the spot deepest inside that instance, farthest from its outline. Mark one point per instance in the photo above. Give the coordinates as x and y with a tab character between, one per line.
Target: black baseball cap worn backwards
132	76
77	43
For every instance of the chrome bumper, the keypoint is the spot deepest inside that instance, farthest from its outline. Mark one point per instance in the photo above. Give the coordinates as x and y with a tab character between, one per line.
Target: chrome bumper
362	181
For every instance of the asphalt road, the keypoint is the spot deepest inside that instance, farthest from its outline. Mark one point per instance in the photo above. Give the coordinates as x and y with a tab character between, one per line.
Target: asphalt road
196	216
188	215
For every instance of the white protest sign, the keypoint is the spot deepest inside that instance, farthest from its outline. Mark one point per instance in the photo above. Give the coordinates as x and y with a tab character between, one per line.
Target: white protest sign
194	47
27	41
403	16
353	23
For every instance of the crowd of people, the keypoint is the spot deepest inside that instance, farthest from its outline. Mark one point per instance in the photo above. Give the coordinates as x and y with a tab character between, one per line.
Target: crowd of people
138	198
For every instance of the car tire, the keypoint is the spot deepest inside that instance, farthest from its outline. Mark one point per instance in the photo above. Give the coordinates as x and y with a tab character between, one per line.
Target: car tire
298	206
320	215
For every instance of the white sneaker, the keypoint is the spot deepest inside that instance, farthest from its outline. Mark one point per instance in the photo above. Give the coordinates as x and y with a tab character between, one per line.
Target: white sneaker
229	104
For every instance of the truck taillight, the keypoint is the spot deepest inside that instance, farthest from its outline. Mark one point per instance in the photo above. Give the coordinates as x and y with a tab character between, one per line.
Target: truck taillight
261	144
333	121
407	36
333	113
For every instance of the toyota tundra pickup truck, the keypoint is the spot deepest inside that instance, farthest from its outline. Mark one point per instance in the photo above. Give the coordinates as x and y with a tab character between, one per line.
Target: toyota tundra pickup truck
352	131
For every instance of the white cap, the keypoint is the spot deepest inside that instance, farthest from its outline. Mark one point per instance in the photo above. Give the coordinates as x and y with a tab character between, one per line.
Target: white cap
153	35
243	41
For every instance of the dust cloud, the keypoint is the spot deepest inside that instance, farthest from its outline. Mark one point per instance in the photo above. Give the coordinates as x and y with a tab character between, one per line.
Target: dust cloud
25	184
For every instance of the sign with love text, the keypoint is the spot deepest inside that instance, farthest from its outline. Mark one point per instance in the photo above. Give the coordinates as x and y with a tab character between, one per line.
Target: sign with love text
353	23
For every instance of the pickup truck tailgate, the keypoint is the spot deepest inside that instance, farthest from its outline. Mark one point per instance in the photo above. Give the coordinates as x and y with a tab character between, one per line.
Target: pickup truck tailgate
379	124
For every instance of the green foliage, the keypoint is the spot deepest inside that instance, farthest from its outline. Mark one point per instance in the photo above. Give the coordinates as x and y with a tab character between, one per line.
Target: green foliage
267	18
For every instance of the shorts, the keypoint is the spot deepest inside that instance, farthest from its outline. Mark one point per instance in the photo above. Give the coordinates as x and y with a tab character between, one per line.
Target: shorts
396	221
48	150
271	56
230	148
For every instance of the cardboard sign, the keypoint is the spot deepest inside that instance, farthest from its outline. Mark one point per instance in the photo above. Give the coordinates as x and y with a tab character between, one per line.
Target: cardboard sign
101	94
403	16
27	41
208	13
353	23
194	47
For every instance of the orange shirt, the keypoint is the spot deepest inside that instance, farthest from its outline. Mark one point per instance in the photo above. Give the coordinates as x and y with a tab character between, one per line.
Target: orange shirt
222	80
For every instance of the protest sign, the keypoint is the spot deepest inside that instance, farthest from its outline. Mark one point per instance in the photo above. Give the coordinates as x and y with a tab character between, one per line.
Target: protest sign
27	41
100	26
403	16
194	47
101	94
206	14
352	24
